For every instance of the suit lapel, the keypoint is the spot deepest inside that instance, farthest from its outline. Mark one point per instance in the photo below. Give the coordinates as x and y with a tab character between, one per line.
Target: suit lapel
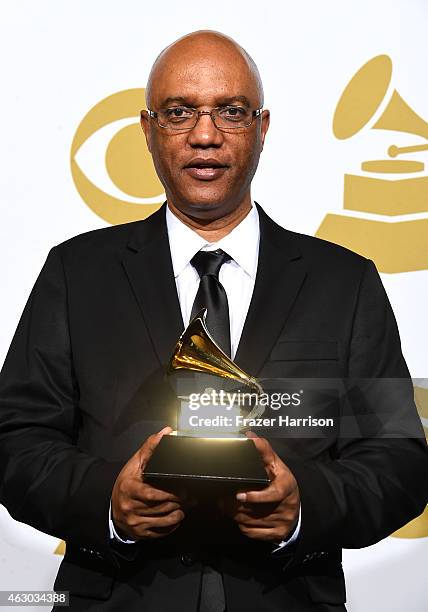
280	275
148	265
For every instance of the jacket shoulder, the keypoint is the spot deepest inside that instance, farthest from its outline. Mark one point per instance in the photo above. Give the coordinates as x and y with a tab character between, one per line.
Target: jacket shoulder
114	235
322	250
315	251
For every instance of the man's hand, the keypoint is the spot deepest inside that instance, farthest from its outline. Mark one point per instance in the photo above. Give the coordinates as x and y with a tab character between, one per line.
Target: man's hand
139	510
272	513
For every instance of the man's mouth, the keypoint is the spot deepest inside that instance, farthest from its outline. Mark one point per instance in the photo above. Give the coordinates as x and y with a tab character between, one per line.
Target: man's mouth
205	169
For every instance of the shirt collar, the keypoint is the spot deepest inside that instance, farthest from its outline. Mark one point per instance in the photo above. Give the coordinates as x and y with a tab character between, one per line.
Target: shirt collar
242	243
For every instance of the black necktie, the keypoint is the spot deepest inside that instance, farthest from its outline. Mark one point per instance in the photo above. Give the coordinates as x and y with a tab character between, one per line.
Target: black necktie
212	296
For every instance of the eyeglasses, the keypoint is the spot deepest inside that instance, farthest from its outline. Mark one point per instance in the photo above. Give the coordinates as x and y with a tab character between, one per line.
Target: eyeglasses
225	118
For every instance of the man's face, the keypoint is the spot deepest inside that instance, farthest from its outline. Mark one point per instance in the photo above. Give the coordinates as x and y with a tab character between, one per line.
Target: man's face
206	172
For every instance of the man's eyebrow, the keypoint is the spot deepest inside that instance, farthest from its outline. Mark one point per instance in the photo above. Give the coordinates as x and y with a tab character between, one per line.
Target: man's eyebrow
232	99
172	99
221	102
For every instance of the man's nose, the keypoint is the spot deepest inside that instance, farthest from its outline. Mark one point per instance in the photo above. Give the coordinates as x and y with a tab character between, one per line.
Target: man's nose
205	133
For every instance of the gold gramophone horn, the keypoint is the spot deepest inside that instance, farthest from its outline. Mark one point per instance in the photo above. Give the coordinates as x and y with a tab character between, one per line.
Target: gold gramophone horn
361	99
197	351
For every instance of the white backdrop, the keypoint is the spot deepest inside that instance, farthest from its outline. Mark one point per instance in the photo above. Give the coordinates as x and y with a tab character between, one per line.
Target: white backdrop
60	58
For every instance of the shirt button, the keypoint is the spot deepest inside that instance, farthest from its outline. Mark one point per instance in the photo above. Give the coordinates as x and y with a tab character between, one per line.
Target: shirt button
187	559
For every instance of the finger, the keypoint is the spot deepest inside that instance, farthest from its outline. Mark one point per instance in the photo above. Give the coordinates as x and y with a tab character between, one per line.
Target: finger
156	522
256	523
269	534
158	510
173	518
267	453
151	496
149	446
270	495
255	511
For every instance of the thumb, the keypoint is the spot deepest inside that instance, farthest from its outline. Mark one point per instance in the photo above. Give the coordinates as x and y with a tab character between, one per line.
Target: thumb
149	446
265	450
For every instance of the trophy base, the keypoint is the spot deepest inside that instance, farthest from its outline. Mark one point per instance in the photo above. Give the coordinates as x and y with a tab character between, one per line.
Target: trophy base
234	462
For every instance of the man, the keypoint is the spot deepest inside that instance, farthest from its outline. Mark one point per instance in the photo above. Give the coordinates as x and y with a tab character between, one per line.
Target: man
83	397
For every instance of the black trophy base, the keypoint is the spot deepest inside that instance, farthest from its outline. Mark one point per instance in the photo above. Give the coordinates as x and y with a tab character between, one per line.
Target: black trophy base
206	463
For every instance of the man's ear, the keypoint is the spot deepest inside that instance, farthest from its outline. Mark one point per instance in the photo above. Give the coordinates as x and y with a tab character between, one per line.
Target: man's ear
264	125
145	124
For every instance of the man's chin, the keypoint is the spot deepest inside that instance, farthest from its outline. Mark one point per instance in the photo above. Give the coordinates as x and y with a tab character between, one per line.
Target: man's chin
203	207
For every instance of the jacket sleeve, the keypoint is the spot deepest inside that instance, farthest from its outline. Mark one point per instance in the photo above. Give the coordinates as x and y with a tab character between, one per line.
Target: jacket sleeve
45	480
376	481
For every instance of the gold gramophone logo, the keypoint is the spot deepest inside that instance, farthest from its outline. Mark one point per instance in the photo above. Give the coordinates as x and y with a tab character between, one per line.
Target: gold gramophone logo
385	213
126	163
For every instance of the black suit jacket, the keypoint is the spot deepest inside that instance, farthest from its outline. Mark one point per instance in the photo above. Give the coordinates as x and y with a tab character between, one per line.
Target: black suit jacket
83	385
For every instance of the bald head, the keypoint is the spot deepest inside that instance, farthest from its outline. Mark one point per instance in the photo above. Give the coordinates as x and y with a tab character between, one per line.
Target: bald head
204	47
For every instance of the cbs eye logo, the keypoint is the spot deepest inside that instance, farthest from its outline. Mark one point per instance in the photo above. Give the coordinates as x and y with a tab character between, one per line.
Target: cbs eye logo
110	144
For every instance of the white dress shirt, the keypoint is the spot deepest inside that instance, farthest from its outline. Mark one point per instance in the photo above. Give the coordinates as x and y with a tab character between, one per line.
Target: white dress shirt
237	277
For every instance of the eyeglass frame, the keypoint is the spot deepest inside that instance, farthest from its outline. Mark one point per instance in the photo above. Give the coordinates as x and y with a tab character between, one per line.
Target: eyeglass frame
254	114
